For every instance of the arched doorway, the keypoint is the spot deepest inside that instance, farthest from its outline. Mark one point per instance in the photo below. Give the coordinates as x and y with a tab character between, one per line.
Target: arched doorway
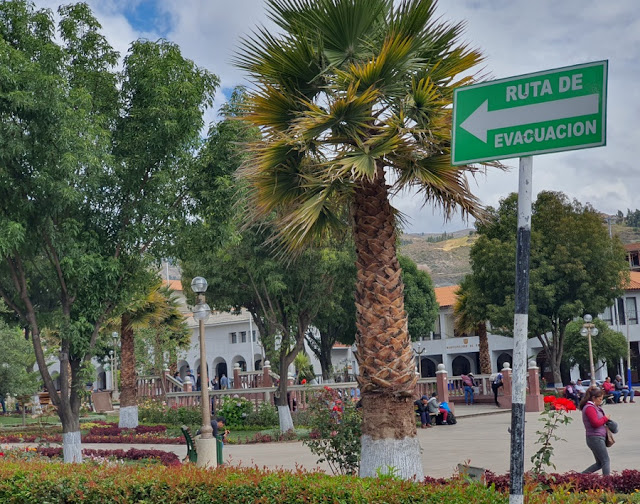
460	365
427	367
221	369
504	357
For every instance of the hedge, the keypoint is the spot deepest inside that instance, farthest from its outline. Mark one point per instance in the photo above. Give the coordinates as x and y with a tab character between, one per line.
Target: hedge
51	482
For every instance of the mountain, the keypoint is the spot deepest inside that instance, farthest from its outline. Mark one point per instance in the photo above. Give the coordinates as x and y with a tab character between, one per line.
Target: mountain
444	256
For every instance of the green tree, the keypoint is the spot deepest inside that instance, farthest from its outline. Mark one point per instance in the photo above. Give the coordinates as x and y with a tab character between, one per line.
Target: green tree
94	171
575	269
608	346
419	299
471	316
156	312
16	363
346	92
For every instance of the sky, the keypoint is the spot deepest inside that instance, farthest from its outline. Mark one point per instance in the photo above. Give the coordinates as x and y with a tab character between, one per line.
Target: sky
516	36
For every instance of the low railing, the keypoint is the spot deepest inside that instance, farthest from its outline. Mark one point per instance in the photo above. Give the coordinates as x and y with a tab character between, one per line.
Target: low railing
155	386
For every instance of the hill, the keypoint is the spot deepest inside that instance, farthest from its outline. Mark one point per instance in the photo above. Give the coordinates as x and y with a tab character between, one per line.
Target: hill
446	256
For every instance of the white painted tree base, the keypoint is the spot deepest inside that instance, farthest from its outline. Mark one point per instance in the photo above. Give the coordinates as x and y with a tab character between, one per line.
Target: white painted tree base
128	417
400	457
72	447
284	416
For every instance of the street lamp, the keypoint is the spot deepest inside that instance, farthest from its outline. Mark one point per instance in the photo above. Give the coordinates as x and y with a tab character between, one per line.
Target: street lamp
589	329
206	444
114	368
112	373
418	353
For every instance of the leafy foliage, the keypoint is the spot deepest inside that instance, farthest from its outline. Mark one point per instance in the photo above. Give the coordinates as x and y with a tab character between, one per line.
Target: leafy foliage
575	268
16	363
335	431
608	346
235	410
554	415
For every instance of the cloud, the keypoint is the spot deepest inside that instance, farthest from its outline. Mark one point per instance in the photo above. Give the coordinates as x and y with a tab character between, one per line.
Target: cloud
517	37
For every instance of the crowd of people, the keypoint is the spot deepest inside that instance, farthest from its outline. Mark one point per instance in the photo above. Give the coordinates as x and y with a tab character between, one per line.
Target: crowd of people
613	392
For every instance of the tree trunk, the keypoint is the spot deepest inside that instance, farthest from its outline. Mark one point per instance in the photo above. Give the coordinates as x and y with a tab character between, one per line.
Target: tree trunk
284	413
325	355
129	384
387	377
485	358
69	413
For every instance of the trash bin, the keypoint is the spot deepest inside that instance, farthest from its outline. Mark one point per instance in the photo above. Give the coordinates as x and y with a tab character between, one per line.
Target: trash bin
219	445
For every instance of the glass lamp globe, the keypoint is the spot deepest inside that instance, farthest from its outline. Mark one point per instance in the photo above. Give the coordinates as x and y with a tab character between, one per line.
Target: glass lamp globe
584	331
201	311
199	285
588	318
594	331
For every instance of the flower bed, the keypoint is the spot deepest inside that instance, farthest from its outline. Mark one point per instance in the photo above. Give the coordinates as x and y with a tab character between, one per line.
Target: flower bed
103	432
164	457
88	483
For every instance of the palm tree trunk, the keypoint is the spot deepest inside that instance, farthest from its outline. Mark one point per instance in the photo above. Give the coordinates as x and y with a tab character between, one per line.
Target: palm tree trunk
129	389
387	377
485	358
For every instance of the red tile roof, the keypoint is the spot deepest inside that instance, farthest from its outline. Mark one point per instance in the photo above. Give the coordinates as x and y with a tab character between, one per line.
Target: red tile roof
446	296
634	281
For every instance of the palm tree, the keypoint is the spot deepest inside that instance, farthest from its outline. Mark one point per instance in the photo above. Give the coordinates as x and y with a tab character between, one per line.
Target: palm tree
156	309
353	99
470	316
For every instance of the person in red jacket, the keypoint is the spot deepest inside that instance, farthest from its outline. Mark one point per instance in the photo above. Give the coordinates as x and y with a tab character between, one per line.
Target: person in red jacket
610	388
594	421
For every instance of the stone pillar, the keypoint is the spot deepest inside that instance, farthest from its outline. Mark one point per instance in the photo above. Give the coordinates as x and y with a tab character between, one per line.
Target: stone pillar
236	376
535	400
187	387
442	383
266	377
505	400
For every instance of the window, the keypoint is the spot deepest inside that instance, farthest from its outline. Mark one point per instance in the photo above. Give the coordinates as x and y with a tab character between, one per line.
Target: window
607	315
621	319
437	331
253	336
243	336
632	312
234	338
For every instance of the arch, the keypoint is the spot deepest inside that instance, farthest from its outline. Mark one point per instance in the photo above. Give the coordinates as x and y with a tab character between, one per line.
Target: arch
502	358
239	359
101	379
257	362
428	367
220	367
183	367
461	365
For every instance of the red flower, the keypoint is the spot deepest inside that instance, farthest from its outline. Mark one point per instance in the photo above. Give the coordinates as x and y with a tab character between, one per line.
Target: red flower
550	399
304	381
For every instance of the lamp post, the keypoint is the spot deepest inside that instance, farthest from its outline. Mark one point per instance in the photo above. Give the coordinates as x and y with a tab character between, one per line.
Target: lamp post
112	373
589	329
206	444
418	353
114	367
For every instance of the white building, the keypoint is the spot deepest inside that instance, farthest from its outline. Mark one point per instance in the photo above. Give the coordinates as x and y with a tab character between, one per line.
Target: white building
460	353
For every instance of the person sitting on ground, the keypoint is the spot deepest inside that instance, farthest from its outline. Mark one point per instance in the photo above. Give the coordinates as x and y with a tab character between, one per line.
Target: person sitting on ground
624	391
423	410
571	393
433	406
610	389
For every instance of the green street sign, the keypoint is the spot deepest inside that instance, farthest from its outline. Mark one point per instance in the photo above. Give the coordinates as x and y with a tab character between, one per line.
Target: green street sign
551	111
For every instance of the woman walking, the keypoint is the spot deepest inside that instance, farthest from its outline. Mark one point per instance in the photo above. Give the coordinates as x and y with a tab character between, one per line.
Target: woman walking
594	421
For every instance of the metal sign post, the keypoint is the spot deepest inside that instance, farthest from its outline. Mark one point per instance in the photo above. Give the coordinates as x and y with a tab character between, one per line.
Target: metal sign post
538	113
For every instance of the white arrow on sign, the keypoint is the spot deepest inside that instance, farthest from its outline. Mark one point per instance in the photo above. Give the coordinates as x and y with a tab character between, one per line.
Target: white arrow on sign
482	120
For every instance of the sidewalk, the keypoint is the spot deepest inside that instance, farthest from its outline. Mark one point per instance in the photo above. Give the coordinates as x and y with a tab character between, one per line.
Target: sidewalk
480	438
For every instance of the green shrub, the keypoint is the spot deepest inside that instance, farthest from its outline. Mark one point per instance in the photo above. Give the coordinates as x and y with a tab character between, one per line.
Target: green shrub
157	412
335	431
235	410
301	418
265	416
37	481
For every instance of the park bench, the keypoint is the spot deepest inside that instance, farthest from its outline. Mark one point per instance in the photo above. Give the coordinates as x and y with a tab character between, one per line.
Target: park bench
192	454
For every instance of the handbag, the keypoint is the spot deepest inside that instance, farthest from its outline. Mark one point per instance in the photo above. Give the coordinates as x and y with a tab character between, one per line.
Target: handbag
609	440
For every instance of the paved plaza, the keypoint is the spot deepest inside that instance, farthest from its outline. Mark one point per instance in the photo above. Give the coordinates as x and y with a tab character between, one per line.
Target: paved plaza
480	438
